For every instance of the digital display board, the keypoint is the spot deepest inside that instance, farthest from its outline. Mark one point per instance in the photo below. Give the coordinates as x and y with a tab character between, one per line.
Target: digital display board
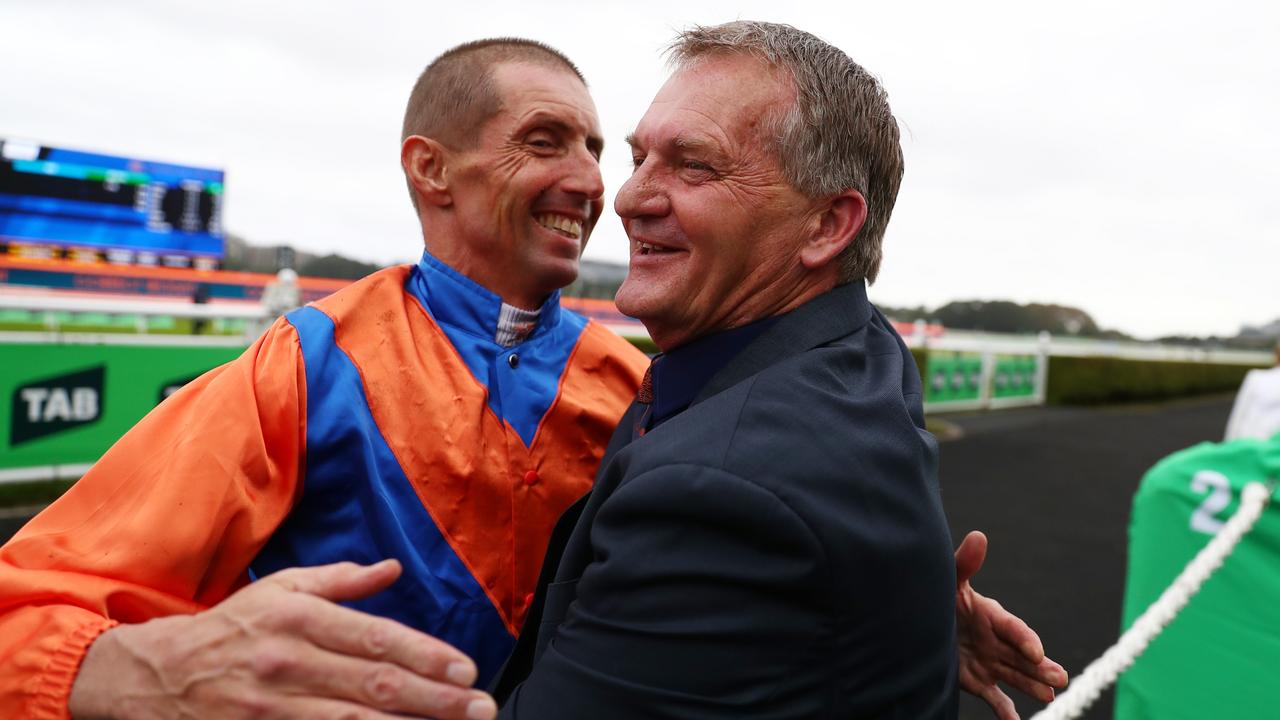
117	205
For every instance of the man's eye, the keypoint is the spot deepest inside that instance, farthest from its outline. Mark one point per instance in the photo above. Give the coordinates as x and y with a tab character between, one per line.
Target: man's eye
542	141
697	166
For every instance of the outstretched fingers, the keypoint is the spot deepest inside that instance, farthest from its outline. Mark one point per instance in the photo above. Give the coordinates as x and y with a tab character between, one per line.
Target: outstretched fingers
353	633
1025	681
338	581
1000	703
282	647
305	641
996	645
378	685
1030	661
318	708
1015	633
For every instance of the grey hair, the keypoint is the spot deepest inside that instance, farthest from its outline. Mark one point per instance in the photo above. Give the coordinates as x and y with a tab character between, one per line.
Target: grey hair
839	135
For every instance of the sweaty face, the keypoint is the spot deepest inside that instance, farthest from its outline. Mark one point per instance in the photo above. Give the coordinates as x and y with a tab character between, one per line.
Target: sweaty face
528	194
715	229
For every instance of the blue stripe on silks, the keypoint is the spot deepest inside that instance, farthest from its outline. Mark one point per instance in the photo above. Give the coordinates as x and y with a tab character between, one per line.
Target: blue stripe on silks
523	394
519	395
358	505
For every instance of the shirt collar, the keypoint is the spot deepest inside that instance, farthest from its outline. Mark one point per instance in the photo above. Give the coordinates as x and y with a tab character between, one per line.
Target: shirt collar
515	325
456	300
679	375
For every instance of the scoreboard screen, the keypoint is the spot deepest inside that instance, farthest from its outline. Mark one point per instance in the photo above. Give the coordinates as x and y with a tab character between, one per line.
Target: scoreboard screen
138	210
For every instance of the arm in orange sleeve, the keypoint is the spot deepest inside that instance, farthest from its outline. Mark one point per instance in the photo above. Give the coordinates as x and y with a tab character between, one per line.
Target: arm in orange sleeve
165	523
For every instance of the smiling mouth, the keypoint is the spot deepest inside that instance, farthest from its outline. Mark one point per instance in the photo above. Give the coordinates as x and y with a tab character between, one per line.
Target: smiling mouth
644	248
566	226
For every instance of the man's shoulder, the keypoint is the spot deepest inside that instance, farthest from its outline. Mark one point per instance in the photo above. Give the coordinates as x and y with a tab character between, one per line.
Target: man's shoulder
826	429
372	318
823	404
368	294
862	378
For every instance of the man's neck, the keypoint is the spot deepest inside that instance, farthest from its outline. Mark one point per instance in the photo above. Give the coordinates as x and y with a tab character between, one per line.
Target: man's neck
755	309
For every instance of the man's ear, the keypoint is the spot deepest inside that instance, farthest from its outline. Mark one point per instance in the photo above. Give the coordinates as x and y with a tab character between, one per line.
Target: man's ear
840	219
425	167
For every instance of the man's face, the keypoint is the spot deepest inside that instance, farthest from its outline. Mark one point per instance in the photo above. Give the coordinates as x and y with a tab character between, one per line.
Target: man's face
715	229
528	194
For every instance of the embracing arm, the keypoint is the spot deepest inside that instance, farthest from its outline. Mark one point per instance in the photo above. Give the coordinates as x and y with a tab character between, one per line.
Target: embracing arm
127	597
164	523
280	647
995	645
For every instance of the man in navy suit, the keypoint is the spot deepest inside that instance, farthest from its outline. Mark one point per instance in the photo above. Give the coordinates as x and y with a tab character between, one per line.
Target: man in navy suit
765	537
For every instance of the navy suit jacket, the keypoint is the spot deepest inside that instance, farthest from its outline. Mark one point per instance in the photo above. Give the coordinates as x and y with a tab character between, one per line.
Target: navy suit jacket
777	550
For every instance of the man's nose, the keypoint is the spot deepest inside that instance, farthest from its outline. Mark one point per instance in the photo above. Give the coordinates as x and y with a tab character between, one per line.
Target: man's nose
641	196
583	177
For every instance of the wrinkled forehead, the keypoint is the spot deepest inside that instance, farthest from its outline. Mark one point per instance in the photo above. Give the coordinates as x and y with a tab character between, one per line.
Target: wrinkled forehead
735	78
722	97
521	86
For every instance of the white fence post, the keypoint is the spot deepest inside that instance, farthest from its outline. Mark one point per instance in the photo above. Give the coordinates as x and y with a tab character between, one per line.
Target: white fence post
1042	366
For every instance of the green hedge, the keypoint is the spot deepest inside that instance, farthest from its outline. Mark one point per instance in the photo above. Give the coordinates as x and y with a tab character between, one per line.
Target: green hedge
36	492
1095	381
922	362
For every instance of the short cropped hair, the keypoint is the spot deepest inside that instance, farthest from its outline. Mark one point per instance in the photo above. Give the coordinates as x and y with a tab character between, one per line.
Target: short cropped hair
839	135
454	96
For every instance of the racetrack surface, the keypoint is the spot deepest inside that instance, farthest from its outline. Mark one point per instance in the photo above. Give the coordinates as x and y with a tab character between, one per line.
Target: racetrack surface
1051	487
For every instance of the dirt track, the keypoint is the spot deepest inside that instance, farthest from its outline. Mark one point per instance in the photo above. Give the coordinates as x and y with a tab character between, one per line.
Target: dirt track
1051	487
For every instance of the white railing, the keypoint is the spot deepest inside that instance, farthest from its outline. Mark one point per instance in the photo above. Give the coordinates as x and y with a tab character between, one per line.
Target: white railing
967	341
67	471
147	308
49	306
956	340
101	338
1043	346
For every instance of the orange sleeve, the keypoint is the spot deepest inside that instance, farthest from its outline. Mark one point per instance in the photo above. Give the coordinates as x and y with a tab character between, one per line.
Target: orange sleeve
165	523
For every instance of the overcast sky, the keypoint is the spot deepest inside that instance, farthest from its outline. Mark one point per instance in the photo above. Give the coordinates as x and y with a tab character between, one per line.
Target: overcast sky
1123	158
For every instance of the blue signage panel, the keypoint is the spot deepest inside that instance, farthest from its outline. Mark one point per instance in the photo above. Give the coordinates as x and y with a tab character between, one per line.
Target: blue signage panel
77	199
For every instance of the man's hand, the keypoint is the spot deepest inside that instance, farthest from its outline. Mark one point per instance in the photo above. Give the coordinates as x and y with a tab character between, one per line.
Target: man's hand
280	648
995	645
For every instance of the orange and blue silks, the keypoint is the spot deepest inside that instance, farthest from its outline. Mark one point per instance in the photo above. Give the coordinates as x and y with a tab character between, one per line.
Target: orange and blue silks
383	421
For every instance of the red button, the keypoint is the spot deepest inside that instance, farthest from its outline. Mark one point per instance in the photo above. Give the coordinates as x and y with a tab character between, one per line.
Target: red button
528	600
531	477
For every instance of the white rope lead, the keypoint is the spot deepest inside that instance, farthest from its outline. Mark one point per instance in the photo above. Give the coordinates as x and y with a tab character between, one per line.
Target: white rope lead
1101	673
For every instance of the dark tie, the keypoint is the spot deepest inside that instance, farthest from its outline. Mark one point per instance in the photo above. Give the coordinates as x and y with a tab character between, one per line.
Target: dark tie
645	398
